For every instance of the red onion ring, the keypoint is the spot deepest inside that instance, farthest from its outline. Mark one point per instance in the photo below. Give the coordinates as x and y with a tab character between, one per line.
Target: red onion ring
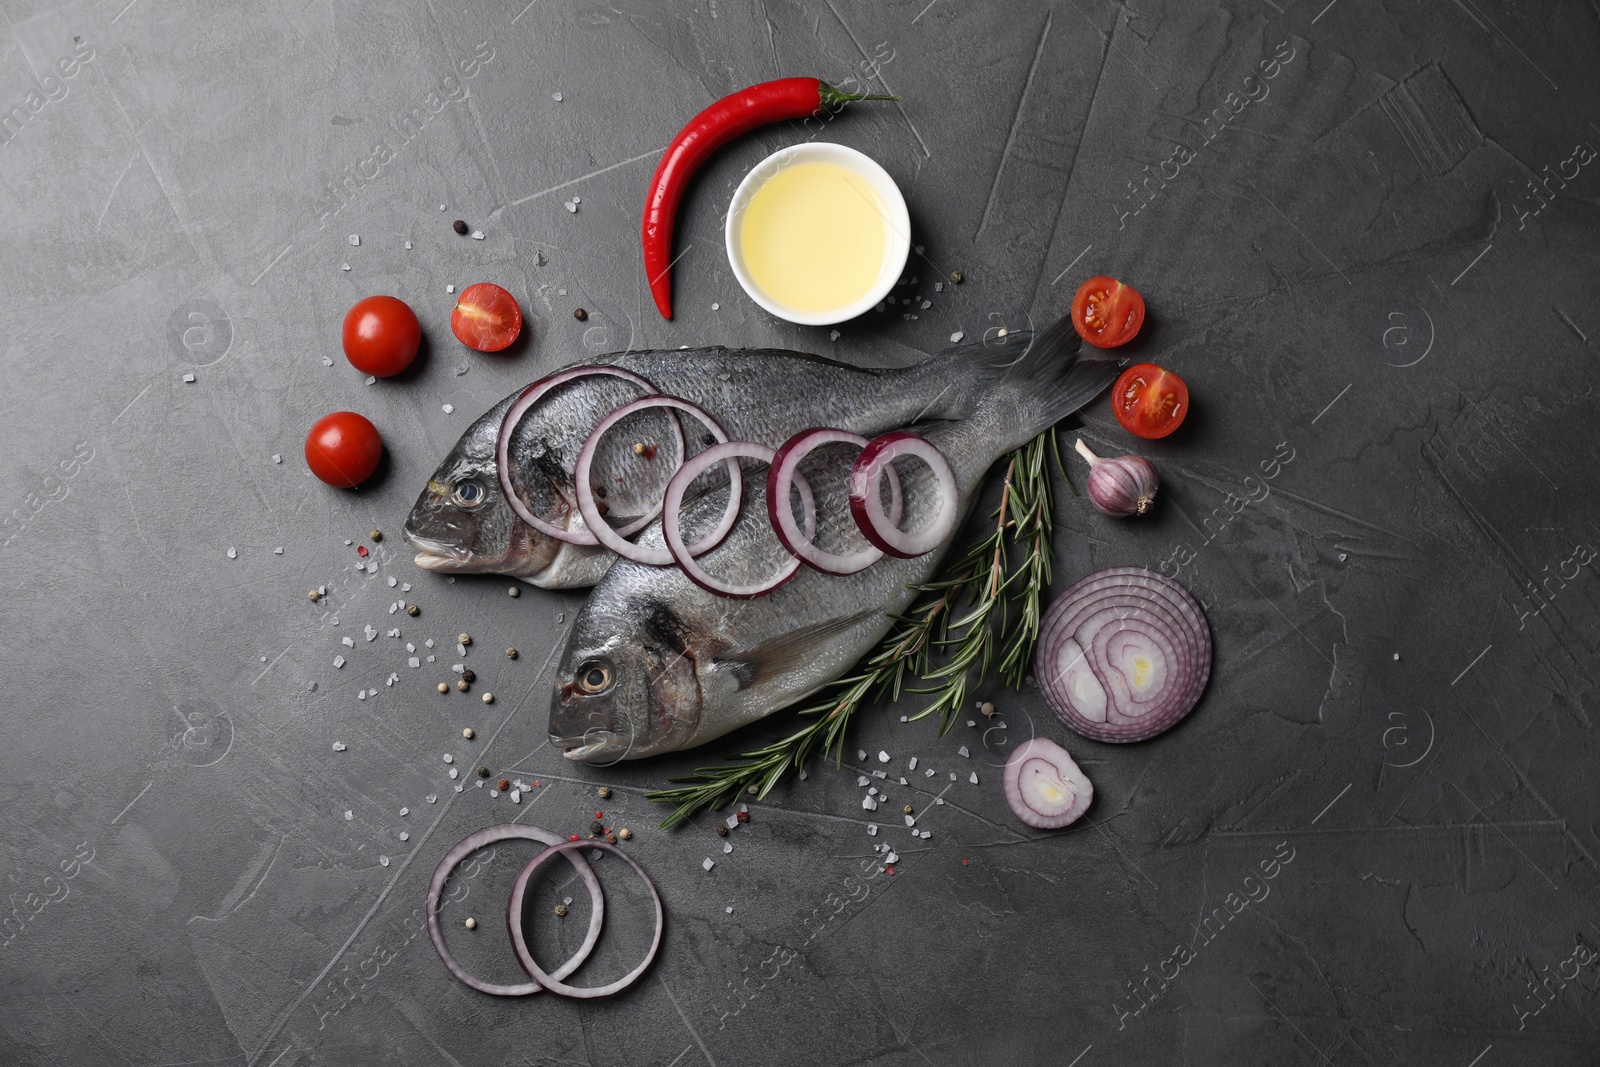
1123	655
612	538
508	427
519	941
1045	786
488	836
672	532
867	506
782	473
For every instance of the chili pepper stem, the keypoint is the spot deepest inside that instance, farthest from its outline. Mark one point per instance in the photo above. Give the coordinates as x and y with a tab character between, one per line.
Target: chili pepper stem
833	97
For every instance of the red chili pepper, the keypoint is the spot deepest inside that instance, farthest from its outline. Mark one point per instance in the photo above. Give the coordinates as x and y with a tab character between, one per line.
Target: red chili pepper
739	113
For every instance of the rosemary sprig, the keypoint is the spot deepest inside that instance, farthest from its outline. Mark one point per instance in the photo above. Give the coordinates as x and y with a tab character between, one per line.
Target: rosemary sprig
998	602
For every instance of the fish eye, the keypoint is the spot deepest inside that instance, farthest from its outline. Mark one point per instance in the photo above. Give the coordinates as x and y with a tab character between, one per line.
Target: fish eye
469	494
594	677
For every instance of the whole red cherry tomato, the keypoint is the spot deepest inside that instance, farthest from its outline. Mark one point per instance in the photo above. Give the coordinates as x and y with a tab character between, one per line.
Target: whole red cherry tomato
1149	401
343	449
1107	313
486	317
381	336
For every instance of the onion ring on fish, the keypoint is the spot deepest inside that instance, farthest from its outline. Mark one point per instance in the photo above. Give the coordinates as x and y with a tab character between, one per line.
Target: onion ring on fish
614	538
867	505
784	472
508	427
673	505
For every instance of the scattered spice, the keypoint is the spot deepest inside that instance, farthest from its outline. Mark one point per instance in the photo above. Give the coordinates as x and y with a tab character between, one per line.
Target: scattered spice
460	226
375	536
464	685
468	676
471	923
513	591
561	911
604	792
511	653
467	733
625	833
638	448
743	816
464	639
504	785
722	830
907	809
314	595
413	610
488	698
483	772
443	688
580	314
611	838
957	277
597	827
987	709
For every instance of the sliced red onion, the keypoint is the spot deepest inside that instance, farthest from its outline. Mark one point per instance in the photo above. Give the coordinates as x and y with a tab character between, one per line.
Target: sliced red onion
1123	655
613	538
1044	786
519	941
782	474
867	505
488	836
672	529
508	427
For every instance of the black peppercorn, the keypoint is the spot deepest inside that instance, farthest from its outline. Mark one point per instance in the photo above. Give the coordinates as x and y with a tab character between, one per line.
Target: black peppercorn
459	226
722	829
581	315
743	816
468	677
483	772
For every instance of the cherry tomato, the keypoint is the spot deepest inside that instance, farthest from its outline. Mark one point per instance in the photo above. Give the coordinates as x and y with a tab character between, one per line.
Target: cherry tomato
1149	401
486	317
381	336
343	449
1107	313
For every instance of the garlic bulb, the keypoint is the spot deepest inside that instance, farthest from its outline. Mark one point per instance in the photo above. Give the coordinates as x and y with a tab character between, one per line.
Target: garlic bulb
1120	486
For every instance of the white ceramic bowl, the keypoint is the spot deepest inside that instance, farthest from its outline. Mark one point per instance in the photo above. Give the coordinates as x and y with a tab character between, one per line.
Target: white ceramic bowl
896	222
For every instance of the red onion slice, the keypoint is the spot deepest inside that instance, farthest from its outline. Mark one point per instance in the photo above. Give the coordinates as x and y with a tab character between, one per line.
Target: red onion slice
488	836
781	475
867	506
671	519
613	538
1044	786
519	941
1123	655
508	428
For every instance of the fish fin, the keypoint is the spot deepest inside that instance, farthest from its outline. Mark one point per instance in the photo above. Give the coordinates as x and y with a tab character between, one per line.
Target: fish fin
760	663
1056	375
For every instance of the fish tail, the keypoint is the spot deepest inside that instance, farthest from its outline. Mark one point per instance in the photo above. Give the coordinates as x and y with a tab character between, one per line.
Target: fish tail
1055	375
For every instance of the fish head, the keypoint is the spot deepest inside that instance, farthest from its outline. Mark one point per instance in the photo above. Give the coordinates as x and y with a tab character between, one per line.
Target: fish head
462	523
627	687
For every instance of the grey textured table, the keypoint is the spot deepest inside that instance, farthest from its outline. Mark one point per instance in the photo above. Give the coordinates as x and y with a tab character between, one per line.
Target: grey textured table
1367	234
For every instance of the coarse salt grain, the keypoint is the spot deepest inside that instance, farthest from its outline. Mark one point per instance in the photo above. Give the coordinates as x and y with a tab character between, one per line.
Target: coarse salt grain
432	798
912	765
861	754
883	757
338	661
964	753
233	553
338	746
448	408
405	835
188	377
344	266
863	780
393	581
449	288
413	662
384	860
354	239
872	829
911	820
726	848
956	337
278	551
516	796
348	815
348	641
477	235
973	778
408	246
277	457
708	863
869	804
453	773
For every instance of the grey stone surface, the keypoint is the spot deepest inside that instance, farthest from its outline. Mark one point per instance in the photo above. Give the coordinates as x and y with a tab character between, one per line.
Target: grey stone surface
1375	268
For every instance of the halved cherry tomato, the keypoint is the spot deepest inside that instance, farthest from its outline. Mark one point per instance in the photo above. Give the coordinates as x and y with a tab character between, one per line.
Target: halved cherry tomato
1107	313
343	449
486	317
381	336
1149	401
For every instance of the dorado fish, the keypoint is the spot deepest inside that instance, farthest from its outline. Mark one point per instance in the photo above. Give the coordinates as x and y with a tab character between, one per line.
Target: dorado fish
654	663
462	521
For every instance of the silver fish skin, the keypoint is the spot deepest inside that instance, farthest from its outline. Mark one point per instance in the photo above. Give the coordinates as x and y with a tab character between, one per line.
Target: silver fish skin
654	663
462	523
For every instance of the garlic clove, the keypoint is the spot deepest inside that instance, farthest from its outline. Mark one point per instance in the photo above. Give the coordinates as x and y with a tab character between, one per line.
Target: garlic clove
1122	485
